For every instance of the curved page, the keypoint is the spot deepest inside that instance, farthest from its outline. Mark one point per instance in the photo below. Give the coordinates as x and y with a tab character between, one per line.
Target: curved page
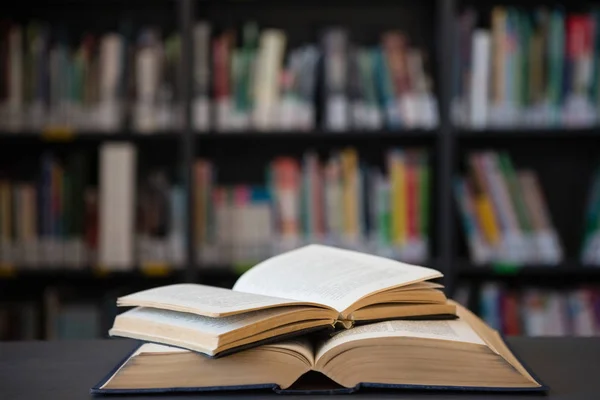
330	276
205	300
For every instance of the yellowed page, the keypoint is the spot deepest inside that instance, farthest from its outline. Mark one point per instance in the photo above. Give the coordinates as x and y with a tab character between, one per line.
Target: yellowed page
204	300
455	330
330	276
209	326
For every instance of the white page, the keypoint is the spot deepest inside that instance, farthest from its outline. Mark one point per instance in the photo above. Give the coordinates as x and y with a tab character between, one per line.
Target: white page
201	324
202	300
329	276
455	330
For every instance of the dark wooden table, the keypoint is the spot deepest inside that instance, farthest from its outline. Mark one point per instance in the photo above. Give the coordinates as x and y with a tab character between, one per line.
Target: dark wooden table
67	370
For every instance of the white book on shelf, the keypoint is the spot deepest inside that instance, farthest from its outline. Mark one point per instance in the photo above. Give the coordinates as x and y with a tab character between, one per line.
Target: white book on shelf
266	79
117	206
582	313
109	109
147	66
534	313
480	76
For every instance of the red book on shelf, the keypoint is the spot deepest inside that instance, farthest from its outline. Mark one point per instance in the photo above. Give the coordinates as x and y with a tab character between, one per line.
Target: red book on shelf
511	322
287	185
221	66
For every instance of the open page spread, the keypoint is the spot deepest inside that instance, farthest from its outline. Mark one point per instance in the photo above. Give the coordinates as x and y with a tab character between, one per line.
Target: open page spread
203	300
456	330
329	276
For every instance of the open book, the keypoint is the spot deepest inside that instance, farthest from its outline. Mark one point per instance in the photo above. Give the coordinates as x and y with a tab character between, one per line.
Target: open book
463	353
299	291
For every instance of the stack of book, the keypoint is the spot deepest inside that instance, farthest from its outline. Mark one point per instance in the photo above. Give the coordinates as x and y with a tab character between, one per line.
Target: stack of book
51	80
529	69
63	217
504	213
338	202
359	320
537	312
590	252
262	85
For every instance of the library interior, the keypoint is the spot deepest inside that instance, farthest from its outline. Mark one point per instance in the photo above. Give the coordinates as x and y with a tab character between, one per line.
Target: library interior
149	143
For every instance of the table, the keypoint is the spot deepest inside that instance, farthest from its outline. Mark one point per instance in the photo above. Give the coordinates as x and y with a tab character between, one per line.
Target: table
66	370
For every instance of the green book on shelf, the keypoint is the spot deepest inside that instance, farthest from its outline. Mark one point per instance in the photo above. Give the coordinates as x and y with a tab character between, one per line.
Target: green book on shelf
592	214
525	42
516	196
556	54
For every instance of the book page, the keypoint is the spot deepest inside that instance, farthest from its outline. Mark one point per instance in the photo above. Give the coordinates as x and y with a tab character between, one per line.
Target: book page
205	325
203	300
155	348
300	345
455	330
330	276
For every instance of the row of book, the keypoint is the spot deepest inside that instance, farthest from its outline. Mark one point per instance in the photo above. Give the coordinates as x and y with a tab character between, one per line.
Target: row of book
50	80
339	201
61	219
590	252
537	312
257	86
531	68
504	212
54	318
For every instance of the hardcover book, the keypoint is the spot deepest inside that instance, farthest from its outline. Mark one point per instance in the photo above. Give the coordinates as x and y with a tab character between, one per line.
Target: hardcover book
460	354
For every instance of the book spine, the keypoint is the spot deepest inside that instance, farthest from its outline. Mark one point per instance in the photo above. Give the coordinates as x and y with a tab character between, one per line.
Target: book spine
412	214
478	105
349	161
117	199
397	170
335	50
267	73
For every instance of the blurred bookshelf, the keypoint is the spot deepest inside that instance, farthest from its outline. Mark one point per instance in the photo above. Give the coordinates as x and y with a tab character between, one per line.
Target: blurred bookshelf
206	121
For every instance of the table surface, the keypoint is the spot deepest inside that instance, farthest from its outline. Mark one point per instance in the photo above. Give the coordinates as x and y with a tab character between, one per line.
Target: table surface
67	370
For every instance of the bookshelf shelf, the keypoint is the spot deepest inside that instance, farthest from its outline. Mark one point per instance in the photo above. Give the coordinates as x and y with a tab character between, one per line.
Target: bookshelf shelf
568	273
87	137
526	133
319	135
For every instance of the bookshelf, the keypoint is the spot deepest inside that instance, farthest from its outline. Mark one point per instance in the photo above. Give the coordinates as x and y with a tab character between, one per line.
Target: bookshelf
563	158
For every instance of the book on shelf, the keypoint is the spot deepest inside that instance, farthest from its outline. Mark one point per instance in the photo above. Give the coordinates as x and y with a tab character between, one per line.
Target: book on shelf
590	251
262	84
56	82
462	354
504	212
66	320
340	202
530	68
312	288
541	312
19	320
61	217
